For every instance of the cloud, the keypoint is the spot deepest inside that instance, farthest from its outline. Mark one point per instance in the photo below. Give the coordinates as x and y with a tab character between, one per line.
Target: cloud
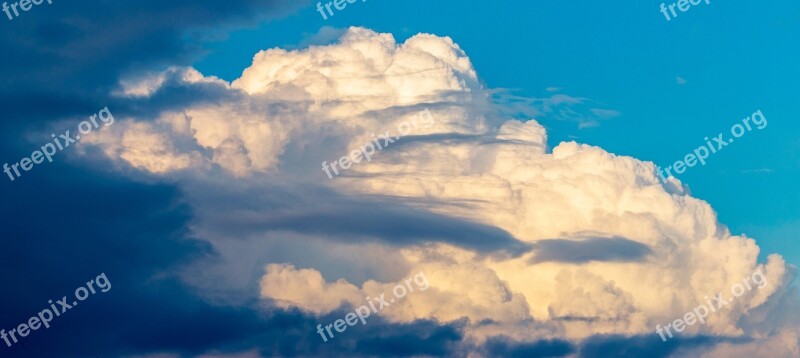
589	249
71	56
504	347
644	346
325	36
462	201
558	107
605	113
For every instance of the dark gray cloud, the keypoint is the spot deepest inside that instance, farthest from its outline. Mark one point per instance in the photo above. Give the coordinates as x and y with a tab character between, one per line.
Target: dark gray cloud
63	225
63	59
651	346
309	209
600	346
504	347
587	249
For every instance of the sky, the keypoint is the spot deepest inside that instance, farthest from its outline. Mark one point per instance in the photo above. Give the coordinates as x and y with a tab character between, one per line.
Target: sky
517	200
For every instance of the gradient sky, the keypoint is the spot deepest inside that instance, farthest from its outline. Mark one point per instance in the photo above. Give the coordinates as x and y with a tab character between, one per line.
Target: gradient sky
205	207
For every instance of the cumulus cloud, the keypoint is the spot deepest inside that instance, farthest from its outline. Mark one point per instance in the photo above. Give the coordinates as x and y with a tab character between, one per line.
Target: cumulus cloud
654	252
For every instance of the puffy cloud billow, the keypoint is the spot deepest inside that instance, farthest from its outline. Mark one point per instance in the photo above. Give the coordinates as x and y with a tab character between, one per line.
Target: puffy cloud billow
529	249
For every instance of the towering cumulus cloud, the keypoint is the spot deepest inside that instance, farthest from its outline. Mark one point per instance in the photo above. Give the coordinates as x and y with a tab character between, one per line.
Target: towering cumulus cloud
520	242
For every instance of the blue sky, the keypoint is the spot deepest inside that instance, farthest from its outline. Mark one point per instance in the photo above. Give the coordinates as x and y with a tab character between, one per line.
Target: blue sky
734	56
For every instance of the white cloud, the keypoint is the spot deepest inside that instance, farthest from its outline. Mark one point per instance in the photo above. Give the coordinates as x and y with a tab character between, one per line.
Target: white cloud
291	110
